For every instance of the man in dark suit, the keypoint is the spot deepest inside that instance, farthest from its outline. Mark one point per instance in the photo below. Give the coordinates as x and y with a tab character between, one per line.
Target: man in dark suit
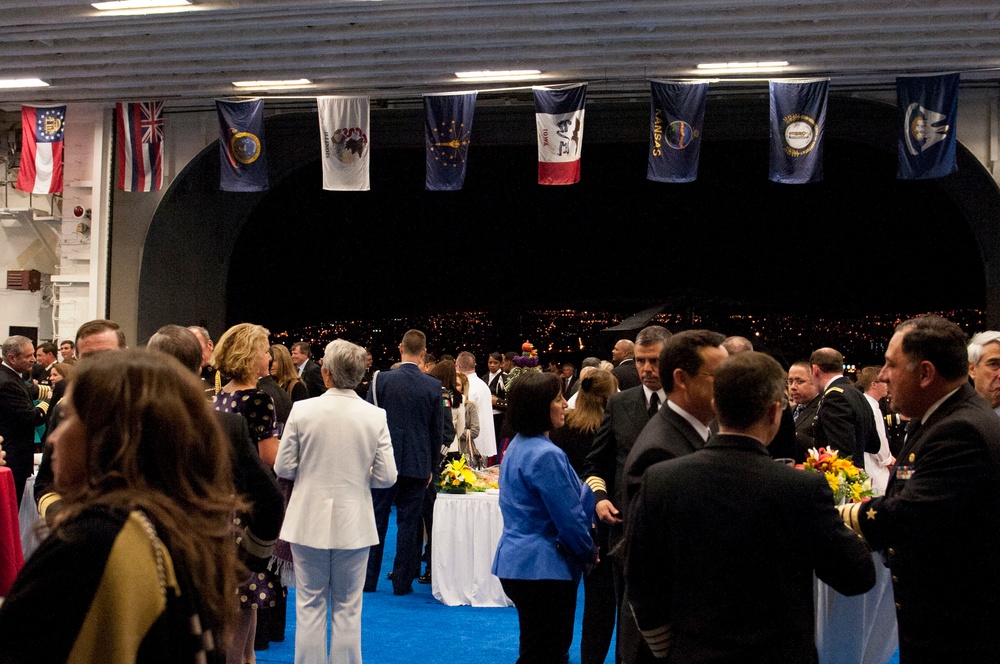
843	420
626	414
687	365
309	371
46	355
569	379
623	356
718	569
18	414
805	401
415	414
939	521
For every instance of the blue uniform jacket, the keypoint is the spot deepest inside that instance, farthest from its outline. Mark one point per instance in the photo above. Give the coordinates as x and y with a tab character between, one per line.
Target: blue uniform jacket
546	514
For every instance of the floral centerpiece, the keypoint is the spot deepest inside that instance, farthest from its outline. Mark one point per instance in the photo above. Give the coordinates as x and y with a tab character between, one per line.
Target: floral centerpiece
849	483
526	362
457	477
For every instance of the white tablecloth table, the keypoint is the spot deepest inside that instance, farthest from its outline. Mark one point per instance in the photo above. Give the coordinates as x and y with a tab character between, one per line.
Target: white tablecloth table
467	528
859	629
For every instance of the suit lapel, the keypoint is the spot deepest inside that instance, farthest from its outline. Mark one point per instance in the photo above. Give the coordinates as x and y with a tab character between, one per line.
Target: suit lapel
635	406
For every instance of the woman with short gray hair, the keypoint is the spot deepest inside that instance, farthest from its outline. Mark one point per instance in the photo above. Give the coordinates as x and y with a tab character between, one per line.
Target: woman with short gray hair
337	448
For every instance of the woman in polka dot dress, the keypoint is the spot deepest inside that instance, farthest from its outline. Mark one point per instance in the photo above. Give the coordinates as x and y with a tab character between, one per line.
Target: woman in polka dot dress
242	355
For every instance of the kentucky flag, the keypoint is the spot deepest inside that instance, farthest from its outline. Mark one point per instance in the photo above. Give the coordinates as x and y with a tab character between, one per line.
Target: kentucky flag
928	109
798	118
559	121
243	162
447	132
41	170
140	145
676	114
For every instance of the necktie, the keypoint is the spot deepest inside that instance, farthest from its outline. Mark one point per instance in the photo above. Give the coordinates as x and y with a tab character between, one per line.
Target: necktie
799	407
654	404
911	429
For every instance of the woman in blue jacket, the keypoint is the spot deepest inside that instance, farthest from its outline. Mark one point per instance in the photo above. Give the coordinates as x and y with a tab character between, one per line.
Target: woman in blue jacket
546	543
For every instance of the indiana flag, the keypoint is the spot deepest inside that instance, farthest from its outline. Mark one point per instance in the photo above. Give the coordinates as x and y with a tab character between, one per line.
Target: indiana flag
242	159
559	121
798	118
41	170
447	134
346	152
928	110
676	114
140	145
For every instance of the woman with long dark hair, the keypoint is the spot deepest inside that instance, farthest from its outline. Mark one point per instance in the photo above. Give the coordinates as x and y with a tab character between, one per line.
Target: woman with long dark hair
547	512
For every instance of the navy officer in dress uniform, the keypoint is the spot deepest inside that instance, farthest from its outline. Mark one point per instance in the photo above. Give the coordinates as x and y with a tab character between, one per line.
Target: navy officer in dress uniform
939	521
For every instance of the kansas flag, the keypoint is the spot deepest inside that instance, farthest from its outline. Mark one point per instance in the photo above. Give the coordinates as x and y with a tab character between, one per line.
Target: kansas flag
447	133
928	110
676	114
41	170
798	118
559	121
243	162
140	145
346	151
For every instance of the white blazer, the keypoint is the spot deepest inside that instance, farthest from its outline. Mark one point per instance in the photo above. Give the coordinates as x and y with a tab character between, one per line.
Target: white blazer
337	448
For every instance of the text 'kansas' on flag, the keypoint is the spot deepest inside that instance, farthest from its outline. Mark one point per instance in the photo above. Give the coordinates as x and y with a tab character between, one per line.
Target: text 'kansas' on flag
242	157
798	121
140	145
41	169
447	134
559	122
928	112
676	115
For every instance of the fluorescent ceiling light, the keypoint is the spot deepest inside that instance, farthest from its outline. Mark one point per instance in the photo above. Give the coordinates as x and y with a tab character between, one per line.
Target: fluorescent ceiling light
503	75
22	83
740	67
138	4
271	85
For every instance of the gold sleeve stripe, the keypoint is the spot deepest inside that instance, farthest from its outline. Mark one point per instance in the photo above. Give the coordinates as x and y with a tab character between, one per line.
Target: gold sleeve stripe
44	392
43	406
834	389
46	501
596	484
658	640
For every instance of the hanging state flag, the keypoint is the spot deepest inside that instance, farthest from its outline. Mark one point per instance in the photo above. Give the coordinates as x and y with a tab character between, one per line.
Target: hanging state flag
928	110
243	162
447	134
41	170
798	118
676	115
559	121
140	145
343	131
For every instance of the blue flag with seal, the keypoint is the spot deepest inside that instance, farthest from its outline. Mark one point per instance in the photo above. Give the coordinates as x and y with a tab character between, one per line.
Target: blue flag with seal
928	109
798	118
447	134
243	162
676	115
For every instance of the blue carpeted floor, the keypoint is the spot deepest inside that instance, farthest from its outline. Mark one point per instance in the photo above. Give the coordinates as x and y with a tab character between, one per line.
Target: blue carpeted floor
417	629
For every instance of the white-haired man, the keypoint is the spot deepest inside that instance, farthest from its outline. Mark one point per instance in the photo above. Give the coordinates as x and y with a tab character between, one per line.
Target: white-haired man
984	366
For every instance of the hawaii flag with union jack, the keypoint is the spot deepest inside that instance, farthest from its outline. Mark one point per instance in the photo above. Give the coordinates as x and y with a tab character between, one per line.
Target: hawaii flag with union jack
140	145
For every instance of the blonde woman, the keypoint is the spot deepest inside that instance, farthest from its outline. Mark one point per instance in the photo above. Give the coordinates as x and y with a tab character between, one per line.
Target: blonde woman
286	375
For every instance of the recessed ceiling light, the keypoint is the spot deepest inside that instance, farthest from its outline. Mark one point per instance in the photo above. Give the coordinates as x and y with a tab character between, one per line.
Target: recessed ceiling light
23	83
137	4
715	68
271	85
500	75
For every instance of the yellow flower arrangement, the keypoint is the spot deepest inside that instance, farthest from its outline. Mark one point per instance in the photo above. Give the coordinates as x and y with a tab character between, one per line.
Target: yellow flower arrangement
457	477
848	482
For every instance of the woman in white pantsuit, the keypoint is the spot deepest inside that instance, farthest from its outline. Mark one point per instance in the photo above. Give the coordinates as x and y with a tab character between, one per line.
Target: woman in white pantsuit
337	448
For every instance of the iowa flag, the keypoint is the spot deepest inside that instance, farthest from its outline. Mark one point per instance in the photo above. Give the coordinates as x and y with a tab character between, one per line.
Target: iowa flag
559	121
140	145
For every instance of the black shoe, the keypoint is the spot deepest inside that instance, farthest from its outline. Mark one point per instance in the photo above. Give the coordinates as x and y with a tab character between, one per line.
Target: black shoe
389	576
425	578
402	591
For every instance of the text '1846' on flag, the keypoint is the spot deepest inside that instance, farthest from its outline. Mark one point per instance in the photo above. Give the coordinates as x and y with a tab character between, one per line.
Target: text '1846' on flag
559	122
41	169
140	145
